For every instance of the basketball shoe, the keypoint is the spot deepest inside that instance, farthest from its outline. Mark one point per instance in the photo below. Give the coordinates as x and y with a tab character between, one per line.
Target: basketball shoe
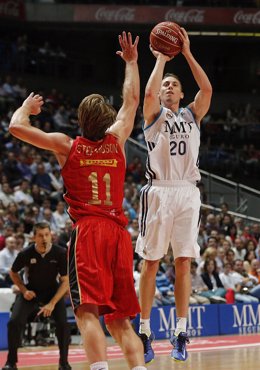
9	366
179	352
65	366
147	343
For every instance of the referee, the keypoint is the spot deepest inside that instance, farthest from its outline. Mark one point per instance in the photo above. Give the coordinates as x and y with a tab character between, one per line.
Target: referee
42	289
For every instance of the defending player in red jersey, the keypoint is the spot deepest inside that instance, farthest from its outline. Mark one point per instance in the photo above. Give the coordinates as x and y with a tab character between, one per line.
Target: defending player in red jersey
100	253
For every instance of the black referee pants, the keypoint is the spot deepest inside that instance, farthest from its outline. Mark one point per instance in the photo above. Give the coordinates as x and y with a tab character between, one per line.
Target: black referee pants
21	311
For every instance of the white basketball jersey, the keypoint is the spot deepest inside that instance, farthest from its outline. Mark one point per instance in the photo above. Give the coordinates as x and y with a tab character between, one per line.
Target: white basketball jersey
173	142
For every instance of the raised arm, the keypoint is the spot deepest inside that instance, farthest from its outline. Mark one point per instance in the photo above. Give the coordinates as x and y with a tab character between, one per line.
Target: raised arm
20	127
124	123
151	99
201	103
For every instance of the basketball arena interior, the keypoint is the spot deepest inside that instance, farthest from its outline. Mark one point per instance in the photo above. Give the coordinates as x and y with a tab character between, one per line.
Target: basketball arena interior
65	50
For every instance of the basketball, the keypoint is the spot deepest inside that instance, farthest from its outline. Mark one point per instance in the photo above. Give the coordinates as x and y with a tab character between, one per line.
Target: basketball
164	38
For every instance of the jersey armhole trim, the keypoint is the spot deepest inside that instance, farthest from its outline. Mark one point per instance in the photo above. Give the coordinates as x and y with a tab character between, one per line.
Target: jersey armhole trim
71	148
187	107
153	122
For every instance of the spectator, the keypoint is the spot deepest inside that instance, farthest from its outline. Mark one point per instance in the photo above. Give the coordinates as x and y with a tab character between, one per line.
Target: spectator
202	237
226	244
37	160
24	167
167	264
249	257
216	291
211	223
127	203
60	216
6	195
2	233
12	216
220	259
230	256
42	179
48	216
133	228
239	225
11	170
255	269
22	194
65	235
239	249
165	287
209	253
226	224
256	233
250	245
230	281
197	286
37	194
21	241
7	257
248	282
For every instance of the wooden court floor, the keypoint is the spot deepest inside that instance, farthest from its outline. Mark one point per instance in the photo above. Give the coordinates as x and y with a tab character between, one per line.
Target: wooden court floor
229	357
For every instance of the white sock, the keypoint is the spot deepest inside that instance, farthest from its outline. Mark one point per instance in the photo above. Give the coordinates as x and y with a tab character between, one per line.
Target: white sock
181	325
103	365
139	368
144	327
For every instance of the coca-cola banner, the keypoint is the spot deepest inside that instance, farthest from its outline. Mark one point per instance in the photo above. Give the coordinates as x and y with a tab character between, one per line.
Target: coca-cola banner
156	14
14	9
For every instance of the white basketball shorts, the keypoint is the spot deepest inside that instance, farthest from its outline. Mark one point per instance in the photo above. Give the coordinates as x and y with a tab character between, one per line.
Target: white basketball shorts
169	213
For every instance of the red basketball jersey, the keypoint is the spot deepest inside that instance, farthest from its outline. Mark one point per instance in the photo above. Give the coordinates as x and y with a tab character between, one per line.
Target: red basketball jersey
94	179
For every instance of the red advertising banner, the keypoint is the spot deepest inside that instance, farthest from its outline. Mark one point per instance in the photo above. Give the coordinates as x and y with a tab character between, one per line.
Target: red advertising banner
12	9
156	14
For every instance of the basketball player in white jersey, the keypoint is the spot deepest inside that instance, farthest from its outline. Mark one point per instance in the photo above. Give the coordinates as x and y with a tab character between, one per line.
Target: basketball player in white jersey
170	202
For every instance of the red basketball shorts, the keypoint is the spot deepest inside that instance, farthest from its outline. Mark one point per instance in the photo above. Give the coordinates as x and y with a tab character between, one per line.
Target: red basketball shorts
101	268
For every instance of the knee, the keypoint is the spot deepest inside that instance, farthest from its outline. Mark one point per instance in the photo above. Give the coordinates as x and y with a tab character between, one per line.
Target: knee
61	324
14	323
135	346
182	266
150	267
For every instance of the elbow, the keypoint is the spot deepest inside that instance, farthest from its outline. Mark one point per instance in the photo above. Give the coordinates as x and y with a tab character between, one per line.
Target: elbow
149	94
136	100
132	99
14	128
208	89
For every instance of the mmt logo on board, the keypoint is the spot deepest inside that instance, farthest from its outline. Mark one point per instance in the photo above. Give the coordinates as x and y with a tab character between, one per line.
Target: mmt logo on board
240	318
207	320
202	321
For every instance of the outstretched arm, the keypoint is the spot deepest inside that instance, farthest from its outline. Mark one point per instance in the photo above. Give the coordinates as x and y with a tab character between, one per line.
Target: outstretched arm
151	107
20	127
124	124
201	103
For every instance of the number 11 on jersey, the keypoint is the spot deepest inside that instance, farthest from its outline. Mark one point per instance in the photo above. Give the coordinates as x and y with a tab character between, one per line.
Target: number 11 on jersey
93	178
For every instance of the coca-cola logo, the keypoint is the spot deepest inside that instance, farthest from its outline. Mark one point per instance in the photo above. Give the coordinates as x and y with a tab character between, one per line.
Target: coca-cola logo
247	18
10	8
185	16
115	15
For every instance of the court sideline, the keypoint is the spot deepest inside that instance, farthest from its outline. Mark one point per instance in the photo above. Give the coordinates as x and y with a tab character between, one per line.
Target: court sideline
208	353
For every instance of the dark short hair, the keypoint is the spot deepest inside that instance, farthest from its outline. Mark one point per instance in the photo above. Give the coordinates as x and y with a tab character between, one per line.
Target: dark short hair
40	226
172	75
